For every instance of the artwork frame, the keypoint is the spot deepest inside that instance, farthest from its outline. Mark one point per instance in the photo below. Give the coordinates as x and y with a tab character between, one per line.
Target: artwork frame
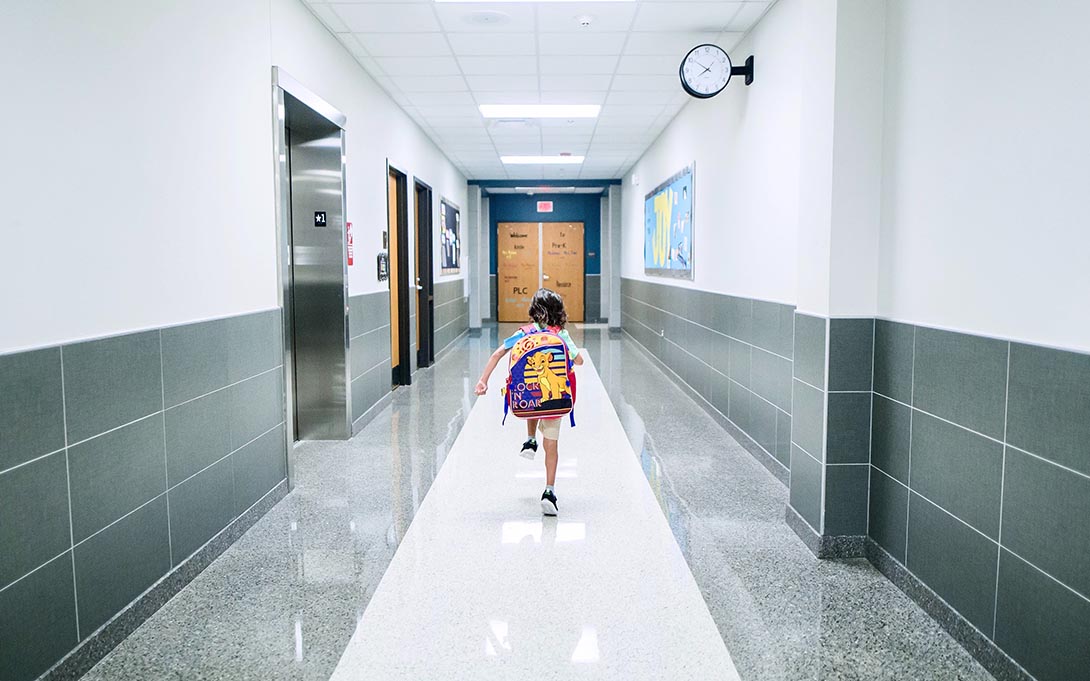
668	221
450	240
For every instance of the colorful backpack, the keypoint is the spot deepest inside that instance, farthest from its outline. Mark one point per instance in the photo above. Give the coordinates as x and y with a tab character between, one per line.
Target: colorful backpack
540	380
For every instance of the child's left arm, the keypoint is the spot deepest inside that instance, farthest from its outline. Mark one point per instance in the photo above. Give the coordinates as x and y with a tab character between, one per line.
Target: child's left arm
482	382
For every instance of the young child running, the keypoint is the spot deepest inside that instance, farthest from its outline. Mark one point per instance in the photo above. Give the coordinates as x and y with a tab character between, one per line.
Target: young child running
547	312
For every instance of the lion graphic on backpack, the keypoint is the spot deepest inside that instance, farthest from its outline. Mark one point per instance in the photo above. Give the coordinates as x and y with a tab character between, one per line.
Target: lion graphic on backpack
553	385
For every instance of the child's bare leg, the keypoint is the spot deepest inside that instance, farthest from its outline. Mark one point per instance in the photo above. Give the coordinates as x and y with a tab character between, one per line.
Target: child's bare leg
531	427
551	458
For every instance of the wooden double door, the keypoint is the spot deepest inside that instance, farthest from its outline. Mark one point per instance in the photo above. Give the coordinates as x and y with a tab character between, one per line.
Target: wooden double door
532	255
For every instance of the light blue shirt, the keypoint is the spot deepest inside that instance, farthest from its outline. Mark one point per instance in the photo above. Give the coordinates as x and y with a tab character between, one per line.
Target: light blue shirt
573	350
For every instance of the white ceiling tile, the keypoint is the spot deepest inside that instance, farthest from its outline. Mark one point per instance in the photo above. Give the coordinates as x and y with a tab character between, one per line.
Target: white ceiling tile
474	44
647	83
578	65
573	126
387	17
404	44
512	65
329	18
580	43
646	65
674	43
418	66
605	16
432	99
509	97
562	97
494	83
473	17
710	17
748	15
575	83
636	97
431	84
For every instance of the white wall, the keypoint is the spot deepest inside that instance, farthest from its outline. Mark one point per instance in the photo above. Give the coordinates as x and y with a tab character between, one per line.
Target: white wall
745	143
986	224
137	187
377	130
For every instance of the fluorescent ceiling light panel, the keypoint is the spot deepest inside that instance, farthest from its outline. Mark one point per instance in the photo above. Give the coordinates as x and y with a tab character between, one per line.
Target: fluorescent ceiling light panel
509	1
540	110
541	160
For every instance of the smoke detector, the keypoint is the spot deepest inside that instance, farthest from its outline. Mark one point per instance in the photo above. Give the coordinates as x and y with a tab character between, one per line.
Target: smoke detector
486	17
584	20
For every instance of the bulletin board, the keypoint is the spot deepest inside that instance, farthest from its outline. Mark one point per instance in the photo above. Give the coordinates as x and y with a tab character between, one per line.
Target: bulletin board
450	241
668	227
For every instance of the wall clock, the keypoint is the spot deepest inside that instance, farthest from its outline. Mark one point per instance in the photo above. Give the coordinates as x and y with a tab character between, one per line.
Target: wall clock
707	69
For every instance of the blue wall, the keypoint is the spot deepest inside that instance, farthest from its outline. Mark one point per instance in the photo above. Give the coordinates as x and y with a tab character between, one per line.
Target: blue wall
585	208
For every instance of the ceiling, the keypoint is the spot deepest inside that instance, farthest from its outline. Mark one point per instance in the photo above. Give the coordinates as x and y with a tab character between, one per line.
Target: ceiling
439	61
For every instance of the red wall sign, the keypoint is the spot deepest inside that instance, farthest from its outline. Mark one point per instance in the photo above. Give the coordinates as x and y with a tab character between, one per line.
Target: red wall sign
544	206
348	239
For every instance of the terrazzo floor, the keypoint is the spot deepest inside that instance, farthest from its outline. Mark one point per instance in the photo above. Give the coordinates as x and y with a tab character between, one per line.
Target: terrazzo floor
284	601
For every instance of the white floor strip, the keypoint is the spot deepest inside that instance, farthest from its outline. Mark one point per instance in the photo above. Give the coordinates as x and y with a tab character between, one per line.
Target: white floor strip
483	586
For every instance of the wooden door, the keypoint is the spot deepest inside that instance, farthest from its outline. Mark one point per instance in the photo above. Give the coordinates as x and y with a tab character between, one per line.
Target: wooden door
395	302
518	254
425	299
562	264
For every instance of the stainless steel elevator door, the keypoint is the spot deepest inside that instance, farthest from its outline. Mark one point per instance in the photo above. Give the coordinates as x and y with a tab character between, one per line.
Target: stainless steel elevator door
317	277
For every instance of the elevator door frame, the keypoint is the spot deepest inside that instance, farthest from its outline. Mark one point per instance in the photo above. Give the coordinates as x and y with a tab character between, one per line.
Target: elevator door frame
282	83
425	274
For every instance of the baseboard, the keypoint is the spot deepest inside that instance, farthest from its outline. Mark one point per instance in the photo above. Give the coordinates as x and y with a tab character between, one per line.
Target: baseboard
758	452
798	524
95	647
372	411
975	642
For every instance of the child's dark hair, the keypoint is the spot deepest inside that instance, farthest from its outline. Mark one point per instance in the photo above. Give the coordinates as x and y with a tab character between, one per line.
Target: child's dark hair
547	309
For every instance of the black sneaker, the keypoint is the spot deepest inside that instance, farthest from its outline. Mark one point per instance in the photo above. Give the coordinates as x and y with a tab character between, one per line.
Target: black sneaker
529	449
548	503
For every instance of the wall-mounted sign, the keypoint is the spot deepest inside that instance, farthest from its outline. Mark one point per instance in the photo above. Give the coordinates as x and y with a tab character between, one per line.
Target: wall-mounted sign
383	266
348	242
544	206
319	218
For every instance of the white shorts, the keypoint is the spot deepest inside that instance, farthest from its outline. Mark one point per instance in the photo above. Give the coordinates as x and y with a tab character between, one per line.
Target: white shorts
549	428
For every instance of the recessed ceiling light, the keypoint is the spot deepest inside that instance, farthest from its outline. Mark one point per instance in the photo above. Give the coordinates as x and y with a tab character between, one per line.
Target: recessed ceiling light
540	110
541	160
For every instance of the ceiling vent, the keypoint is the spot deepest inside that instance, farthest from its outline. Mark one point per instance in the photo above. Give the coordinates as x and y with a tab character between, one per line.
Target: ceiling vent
513	124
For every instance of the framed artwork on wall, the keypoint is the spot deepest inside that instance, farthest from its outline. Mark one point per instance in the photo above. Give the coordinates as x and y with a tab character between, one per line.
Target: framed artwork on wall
450	244
668	226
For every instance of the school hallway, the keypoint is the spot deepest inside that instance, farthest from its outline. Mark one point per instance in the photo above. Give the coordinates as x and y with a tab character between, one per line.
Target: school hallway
418	550
827	258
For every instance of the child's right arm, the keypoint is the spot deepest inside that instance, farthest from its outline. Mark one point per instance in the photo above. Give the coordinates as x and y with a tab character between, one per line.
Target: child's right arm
482	382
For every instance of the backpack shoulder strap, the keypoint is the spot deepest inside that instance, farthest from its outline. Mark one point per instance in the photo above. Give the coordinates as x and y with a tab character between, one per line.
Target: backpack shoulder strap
529	328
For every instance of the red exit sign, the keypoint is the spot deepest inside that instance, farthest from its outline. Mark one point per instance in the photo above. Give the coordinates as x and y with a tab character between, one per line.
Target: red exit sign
544	206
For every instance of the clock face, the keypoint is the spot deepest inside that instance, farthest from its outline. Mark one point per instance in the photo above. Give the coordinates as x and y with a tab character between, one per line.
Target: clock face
705	71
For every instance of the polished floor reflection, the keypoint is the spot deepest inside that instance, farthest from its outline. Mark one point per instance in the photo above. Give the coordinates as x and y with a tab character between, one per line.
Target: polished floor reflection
284	602
484	586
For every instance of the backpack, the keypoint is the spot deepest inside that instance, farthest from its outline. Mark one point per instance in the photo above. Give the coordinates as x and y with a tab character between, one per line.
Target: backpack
540	380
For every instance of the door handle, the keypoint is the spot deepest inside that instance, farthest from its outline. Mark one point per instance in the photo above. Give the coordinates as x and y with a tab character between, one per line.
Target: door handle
545	277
